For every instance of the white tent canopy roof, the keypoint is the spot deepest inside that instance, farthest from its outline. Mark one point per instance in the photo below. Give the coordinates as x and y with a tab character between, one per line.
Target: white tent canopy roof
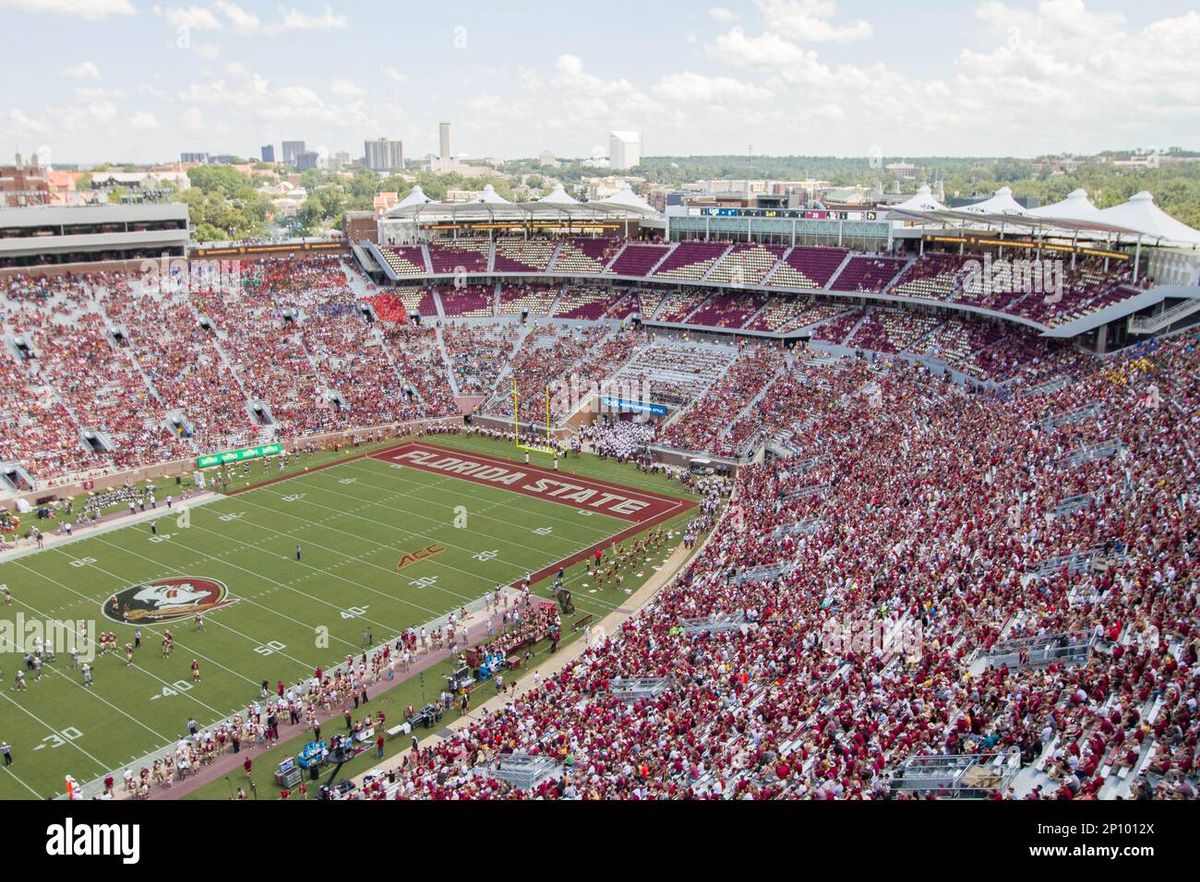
491	197
416	197
1001	203
559	197
1141	215
625	198
1077	206
922	201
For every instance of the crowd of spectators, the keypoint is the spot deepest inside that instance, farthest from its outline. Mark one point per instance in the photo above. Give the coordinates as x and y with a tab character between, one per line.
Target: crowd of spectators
932	513
705	426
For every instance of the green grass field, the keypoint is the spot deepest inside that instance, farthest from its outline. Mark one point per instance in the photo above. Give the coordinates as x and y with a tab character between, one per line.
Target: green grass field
354	521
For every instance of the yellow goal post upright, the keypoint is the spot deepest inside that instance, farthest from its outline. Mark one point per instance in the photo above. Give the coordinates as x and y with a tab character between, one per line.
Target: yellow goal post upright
529	448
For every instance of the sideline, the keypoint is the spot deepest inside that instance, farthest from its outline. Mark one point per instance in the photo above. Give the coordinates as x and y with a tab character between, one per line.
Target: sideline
610	624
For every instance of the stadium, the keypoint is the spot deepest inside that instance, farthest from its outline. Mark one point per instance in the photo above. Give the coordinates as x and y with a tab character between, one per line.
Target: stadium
575	499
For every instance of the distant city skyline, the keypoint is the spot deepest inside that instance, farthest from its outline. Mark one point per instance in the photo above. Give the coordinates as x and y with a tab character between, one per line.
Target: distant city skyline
520	77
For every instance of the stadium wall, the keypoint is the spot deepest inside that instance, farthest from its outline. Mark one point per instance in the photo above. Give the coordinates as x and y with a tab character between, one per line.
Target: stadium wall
101	482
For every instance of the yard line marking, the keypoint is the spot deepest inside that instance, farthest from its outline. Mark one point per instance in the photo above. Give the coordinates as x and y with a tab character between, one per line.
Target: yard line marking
19	780
434	562
74	743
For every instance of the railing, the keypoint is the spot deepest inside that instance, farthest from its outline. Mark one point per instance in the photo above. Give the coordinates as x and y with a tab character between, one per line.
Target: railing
1040	652
1161	321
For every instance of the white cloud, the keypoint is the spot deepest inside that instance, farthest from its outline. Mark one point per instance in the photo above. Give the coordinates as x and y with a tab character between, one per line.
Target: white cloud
766	51
242	20
26	124
196	18
143	121
192	119
90	10
294	20
290	19
341	86
85	70
721	14
687	87
810	21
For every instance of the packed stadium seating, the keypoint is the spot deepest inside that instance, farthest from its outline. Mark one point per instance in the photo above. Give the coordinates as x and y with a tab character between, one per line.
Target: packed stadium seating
266	363
913	534
478	354
707	421
904	499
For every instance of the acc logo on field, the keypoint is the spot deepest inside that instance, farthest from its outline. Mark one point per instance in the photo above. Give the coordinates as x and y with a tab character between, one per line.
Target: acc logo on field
168	599
415	557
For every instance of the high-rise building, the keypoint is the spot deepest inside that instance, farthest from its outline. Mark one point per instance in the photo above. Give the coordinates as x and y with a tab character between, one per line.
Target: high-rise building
291	150
308	160
197	158
384	155
446	152
268	153
624	150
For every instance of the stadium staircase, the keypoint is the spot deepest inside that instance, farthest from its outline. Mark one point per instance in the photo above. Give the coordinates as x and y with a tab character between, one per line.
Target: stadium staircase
766	280
608	266
716	263
857	325
679	414
887	289
441	344
550	267
662	260
753	403
700	308
752	319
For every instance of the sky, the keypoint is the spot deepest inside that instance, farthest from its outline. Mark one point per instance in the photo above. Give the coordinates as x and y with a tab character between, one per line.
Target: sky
132	80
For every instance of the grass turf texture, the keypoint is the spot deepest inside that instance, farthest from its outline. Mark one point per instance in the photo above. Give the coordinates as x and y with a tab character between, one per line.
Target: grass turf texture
355	521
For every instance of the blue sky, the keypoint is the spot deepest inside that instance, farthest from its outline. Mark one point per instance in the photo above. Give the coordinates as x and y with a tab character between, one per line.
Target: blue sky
93	80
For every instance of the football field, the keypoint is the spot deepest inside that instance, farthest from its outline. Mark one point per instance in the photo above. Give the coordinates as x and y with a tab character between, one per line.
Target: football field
289	576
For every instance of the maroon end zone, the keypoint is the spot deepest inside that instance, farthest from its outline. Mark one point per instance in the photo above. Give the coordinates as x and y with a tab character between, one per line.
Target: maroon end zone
587	494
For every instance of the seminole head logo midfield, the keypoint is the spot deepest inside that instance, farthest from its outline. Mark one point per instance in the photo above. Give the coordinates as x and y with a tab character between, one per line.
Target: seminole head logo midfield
166	600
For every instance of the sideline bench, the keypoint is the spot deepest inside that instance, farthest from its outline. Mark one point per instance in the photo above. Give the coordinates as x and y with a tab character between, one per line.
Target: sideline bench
582	622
